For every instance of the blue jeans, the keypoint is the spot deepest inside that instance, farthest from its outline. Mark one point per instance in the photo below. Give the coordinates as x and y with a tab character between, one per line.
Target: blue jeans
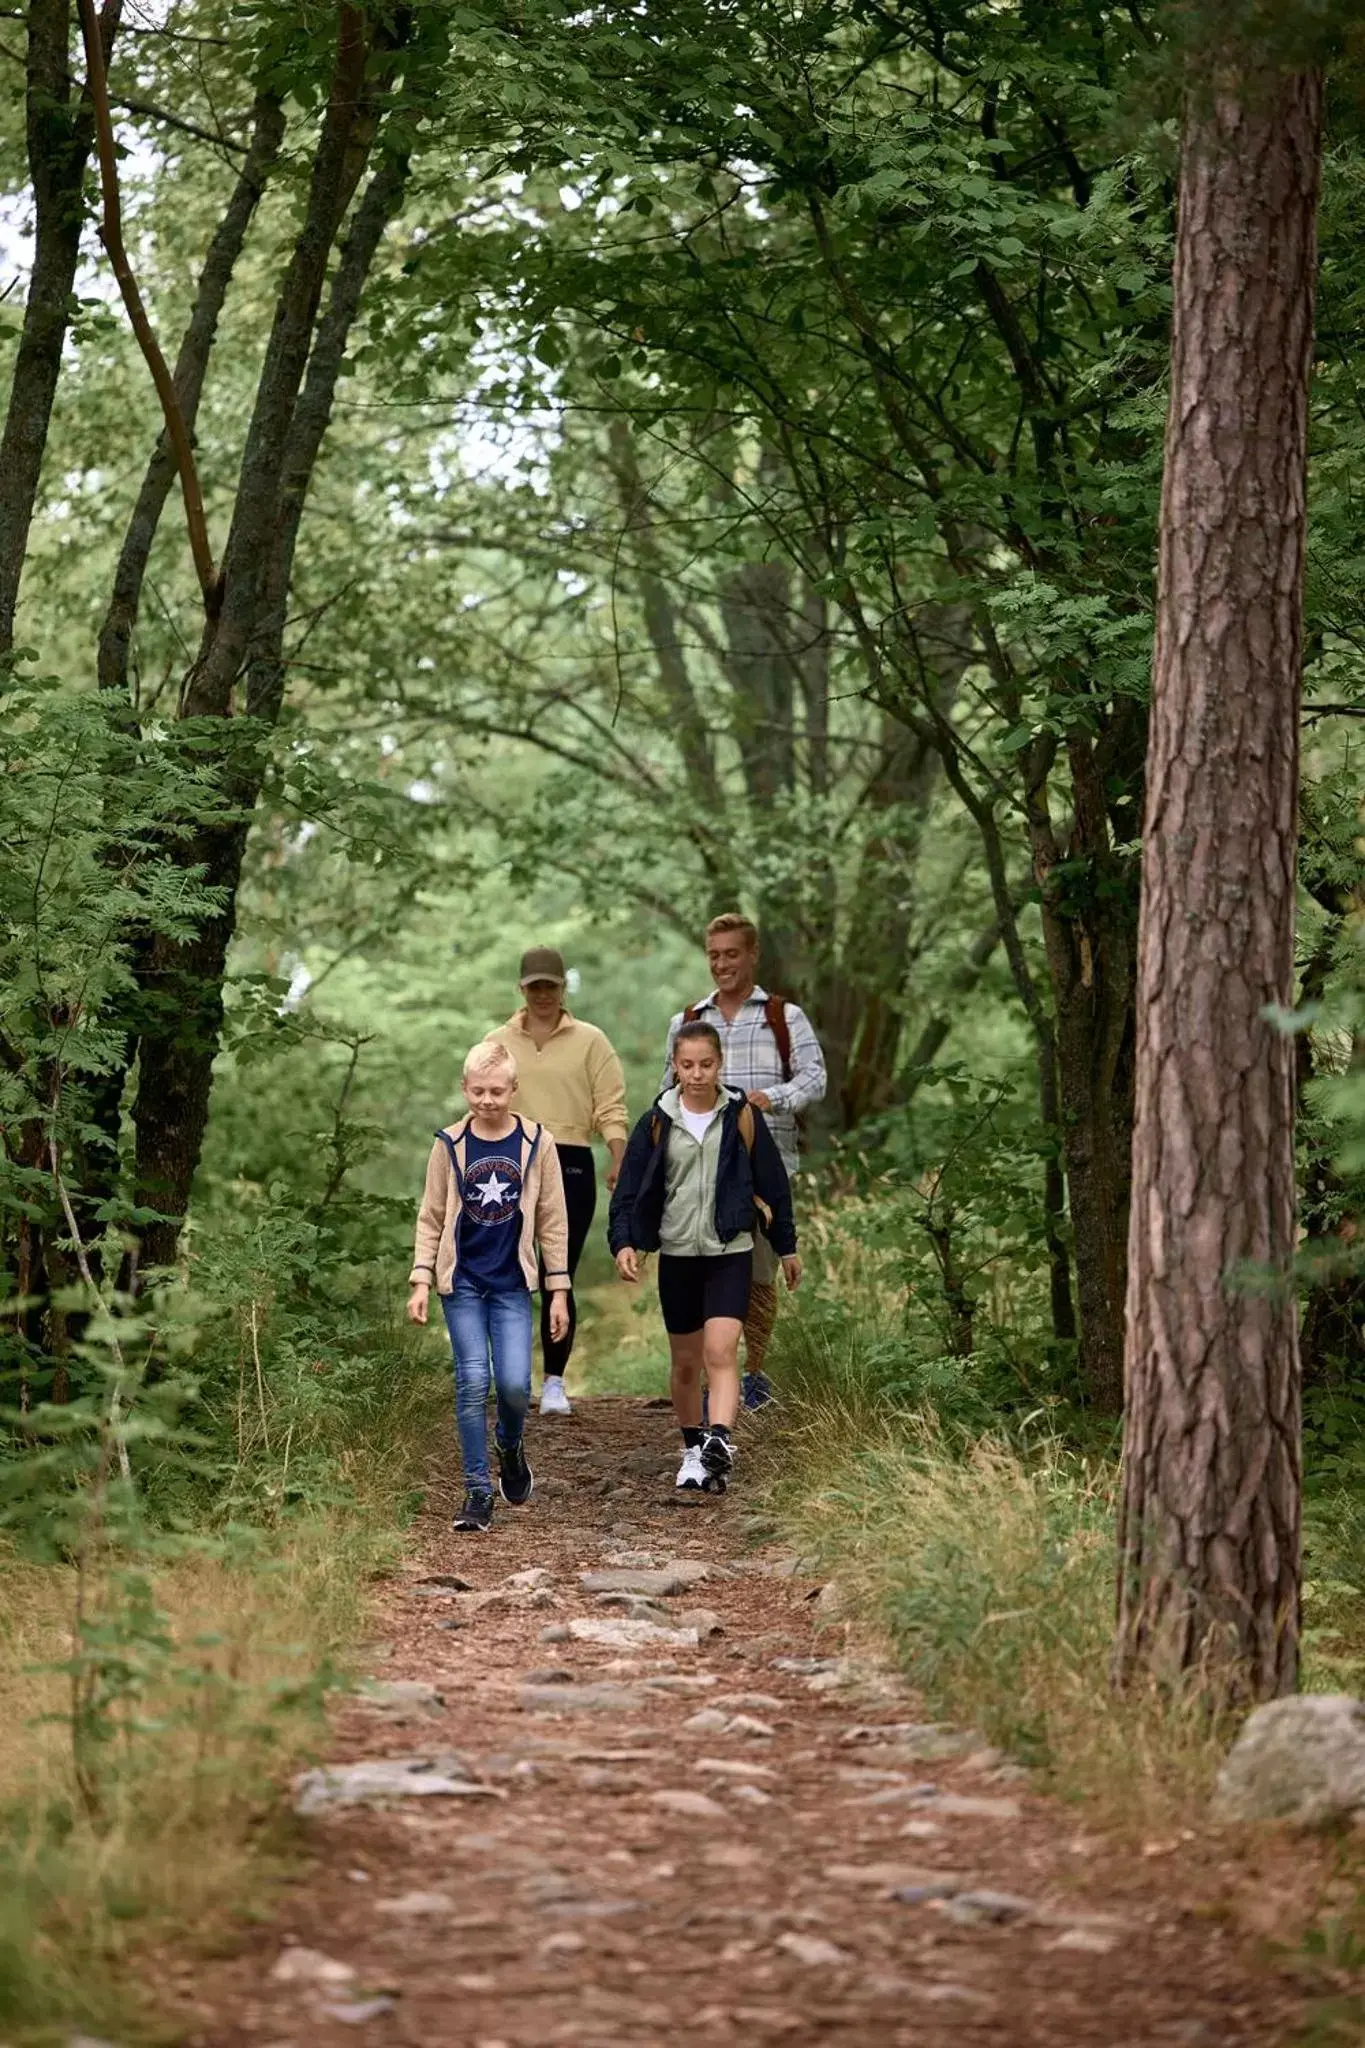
481	1323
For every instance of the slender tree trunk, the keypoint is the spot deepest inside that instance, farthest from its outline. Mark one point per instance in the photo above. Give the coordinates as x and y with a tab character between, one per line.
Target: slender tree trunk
347	133
98	1174
863	1027
761	630
191	368
685	713
1089	936
1209	1524
863	1013
59	132
185	982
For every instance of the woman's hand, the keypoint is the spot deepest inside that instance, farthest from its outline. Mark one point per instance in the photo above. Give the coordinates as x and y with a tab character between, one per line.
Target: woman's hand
417	1301
791	1272
559	1314
628	1263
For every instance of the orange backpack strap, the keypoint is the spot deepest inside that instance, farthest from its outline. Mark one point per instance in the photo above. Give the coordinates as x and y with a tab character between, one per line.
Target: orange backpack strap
775	1017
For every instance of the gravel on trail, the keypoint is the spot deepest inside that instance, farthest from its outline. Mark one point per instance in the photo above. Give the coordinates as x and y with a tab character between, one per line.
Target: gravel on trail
606	1837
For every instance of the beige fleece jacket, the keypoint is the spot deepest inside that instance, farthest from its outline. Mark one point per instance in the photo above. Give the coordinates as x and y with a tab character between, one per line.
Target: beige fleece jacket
573	1083
544	1218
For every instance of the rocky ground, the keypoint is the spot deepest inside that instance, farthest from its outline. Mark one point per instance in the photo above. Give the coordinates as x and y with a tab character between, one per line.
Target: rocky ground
617	1776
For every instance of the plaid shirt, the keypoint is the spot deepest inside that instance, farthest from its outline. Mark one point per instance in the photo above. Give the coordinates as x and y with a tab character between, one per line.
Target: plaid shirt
752	1061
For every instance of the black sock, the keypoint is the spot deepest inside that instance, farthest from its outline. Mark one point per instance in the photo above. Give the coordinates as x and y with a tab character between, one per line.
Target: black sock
720	1429
692	1438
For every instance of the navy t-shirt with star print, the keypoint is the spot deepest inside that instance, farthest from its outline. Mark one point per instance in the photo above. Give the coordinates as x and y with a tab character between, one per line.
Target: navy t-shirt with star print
489	1224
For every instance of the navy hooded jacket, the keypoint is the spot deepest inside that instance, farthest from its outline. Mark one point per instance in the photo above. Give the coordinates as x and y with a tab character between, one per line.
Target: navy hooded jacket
637	1203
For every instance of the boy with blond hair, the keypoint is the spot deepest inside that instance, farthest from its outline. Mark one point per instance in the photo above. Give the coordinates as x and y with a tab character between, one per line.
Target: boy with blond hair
492	1206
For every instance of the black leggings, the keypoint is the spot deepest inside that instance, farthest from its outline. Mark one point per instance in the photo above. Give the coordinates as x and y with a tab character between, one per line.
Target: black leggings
580	1199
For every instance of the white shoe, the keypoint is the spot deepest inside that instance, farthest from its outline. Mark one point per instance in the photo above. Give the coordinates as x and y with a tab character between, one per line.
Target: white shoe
553	1399
691	1473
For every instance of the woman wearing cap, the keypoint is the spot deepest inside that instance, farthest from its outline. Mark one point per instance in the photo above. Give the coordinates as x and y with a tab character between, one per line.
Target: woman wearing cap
570	1080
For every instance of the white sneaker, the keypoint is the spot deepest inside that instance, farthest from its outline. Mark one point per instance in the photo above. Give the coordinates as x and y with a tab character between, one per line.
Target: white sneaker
691	1473
553	1399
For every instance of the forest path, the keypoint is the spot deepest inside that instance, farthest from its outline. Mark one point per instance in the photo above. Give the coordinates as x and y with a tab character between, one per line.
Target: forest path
802	1864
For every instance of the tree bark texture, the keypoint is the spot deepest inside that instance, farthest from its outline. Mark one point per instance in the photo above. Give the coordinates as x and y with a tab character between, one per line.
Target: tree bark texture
59	134
1210	1516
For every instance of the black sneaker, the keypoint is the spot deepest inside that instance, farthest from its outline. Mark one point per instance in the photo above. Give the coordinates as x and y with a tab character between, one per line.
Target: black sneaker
477	1512
515	1477
718	1456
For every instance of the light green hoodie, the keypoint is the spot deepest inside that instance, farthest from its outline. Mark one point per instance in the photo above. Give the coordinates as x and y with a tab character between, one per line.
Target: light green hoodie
688	1230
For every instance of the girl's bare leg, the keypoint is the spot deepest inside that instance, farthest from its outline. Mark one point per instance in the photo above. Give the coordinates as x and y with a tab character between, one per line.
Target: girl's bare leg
720	1356
685	1384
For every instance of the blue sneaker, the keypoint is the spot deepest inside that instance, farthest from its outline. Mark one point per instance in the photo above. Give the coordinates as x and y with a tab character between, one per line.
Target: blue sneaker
757	1390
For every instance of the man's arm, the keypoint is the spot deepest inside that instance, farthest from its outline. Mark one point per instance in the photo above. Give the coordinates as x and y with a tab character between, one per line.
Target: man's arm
808	1080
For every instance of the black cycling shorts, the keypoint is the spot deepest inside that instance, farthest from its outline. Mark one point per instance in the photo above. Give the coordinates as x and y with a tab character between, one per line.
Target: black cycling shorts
694	1291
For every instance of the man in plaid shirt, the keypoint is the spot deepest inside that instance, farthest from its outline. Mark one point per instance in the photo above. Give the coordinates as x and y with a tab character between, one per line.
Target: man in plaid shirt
781	1070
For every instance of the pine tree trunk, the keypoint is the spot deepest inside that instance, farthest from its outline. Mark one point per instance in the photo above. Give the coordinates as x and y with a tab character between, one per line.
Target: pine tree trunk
1209	1525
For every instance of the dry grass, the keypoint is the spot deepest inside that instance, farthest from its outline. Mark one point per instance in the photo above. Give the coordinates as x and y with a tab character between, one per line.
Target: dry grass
226	1663
213	1659
990	1568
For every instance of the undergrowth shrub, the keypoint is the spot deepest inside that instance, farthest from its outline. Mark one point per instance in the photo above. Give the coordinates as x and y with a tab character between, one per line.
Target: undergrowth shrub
153	1820
189	1552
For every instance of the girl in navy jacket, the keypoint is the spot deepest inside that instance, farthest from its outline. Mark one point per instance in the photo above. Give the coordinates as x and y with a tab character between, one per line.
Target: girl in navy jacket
700	1176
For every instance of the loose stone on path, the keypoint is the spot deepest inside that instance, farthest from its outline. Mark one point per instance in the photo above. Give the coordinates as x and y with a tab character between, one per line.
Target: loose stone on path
382	1778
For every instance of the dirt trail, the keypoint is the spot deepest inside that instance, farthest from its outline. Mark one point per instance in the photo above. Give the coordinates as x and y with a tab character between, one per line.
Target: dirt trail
796	1865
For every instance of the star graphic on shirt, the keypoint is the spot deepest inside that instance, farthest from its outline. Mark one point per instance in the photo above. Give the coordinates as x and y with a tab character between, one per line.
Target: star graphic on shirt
494	1191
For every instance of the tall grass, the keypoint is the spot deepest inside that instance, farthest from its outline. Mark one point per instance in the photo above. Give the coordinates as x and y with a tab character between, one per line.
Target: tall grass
984	1556
217	1652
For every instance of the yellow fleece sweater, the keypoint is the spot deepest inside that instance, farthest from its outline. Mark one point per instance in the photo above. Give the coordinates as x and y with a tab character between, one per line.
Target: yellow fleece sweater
573	1084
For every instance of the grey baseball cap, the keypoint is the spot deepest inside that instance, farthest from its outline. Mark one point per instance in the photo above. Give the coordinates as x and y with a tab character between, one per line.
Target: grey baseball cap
542	963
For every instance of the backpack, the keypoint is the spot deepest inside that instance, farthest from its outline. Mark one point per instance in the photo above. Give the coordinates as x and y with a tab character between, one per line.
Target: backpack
775	1017
746	1139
